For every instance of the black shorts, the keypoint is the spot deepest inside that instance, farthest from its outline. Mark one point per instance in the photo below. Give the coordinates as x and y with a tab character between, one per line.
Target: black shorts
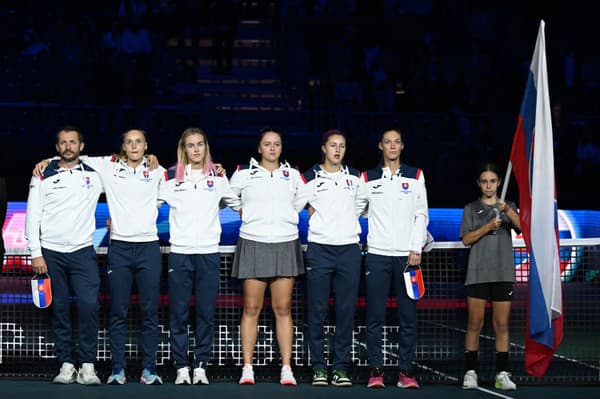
497	292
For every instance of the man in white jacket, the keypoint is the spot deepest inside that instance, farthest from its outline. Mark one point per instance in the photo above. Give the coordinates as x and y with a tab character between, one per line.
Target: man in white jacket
59	227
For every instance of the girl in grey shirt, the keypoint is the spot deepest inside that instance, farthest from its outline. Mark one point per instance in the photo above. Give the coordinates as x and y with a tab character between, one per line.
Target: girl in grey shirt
486	227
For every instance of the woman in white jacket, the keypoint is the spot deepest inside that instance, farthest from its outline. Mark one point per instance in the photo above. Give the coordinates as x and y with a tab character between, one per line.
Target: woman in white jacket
396	198
194	190
333	257
268	251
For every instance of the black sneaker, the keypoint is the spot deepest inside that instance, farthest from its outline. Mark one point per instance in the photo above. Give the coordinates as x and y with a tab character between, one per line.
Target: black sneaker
340	379
320	378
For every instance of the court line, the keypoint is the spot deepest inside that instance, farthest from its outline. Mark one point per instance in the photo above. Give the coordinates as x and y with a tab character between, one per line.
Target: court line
519	346
441	374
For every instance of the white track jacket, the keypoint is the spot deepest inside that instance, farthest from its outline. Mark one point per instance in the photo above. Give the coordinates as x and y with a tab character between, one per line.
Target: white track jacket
270	202
131	195
396	208
333	198
194	224
61	208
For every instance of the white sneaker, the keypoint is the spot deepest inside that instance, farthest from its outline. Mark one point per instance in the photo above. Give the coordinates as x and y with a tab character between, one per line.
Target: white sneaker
470	380
66	375
287	376
247	376
504	382
149	377
87	375
200	376
183	376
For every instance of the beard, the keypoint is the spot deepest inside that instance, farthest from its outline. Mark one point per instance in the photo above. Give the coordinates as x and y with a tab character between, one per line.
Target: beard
69	156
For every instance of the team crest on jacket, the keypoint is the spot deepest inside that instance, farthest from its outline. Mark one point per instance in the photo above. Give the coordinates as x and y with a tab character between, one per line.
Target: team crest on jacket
88	183
146	175
404	186
210	185
286	174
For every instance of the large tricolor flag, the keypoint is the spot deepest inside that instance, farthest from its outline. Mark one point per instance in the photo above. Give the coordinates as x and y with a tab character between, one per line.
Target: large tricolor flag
532	161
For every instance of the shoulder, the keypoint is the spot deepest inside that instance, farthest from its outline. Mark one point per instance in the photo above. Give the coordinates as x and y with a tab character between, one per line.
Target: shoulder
310	173
114	158
353	171
220	178
411	172
51	170
471	206
215	176
170	173
87	168
241	171
372	174
294	171
214	173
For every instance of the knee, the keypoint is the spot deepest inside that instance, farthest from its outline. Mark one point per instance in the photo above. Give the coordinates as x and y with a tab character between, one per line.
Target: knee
87	303
500	327
252	310
475	324
282	310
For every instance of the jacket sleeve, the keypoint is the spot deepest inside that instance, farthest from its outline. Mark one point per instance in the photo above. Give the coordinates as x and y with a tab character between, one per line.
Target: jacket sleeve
421	218
228	197
301	195
164	189
236	183
362	195
33	219
99	164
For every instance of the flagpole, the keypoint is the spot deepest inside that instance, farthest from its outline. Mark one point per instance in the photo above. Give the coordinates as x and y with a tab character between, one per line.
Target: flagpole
506	179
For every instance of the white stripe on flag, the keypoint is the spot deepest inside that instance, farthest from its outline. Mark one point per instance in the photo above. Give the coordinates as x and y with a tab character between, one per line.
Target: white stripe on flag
543	202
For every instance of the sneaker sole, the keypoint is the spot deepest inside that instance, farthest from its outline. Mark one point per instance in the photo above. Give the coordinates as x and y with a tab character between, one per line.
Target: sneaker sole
246	382
93	383
409	386
155	382
475	387
505	389
289	383
342	384
376	386
320	384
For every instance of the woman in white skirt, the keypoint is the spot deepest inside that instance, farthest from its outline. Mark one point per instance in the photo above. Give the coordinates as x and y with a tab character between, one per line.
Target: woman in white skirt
268	251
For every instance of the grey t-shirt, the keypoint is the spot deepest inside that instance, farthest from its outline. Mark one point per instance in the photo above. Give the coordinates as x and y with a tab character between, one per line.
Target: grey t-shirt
490	258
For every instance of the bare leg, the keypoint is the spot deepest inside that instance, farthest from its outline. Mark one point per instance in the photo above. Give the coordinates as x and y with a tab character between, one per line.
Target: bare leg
501	312
476	307
281	301
254	295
